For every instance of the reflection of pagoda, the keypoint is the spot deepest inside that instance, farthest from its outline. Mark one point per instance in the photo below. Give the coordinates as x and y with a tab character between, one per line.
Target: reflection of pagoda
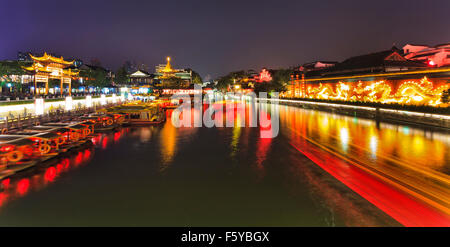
50	67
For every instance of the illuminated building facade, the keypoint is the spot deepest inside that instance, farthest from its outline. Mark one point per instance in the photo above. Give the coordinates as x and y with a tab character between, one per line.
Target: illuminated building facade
264	76
383	77
438	55
49	67
141	77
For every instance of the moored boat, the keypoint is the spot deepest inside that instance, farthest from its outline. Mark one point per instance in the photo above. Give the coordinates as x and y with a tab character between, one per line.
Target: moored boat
138	113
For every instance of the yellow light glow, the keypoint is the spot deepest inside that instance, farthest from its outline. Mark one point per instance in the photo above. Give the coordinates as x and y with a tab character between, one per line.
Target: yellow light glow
69	103
88	101
384	74
408	92
103	99
39	106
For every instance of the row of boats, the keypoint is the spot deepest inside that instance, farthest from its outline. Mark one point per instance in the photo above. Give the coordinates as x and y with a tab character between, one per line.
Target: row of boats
21	149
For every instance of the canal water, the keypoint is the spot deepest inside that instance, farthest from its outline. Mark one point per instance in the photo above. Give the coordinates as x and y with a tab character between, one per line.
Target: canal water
167	176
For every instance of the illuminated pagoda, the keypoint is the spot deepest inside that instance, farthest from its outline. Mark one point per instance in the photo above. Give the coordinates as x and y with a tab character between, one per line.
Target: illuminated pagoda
165	71
50	67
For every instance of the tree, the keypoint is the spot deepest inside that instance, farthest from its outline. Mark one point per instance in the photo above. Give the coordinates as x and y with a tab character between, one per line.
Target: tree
8	68
122	75
96	77
196	78
280	79
100	78
229	79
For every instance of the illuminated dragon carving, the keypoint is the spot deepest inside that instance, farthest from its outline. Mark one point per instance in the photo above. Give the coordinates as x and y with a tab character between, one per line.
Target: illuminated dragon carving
409	92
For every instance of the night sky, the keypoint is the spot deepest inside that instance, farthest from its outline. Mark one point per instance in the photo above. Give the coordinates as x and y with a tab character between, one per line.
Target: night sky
216	37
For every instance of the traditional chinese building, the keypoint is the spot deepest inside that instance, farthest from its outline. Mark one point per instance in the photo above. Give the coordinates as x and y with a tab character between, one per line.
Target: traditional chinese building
165	71
264	76
141	77
438	55
382	77
49	67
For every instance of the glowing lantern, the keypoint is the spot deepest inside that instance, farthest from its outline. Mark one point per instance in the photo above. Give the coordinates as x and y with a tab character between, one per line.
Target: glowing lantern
88	101
114	100
69	103
431	63
103	99
39	106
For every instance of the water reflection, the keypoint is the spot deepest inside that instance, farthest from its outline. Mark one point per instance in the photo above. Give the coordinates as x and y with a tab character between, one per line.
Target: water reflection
168	140
42	175
412	160
210	170
45	174
419	148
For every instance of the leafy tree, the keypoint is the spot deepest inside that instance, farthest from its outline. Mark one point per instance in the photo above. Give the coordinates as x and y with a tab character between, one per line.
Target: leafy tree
231	78
223	82
100	78
96	77
196	78
280	79
8	68
122	75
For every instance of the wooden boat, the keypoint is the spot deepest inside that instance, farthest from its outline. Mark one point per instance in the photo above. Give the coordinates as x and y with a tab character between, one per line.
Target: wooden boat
17	153
104	122
79	132
25	148
138	113
57	138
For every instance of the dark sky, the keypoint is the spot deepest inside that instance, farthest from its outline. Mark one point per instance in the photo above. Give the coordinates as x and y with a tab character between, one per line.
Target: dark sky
215	37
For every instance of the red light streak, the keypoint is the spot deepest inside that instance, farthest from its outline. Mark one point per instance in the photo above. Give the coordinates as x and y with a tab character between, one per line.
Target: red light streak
393	202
